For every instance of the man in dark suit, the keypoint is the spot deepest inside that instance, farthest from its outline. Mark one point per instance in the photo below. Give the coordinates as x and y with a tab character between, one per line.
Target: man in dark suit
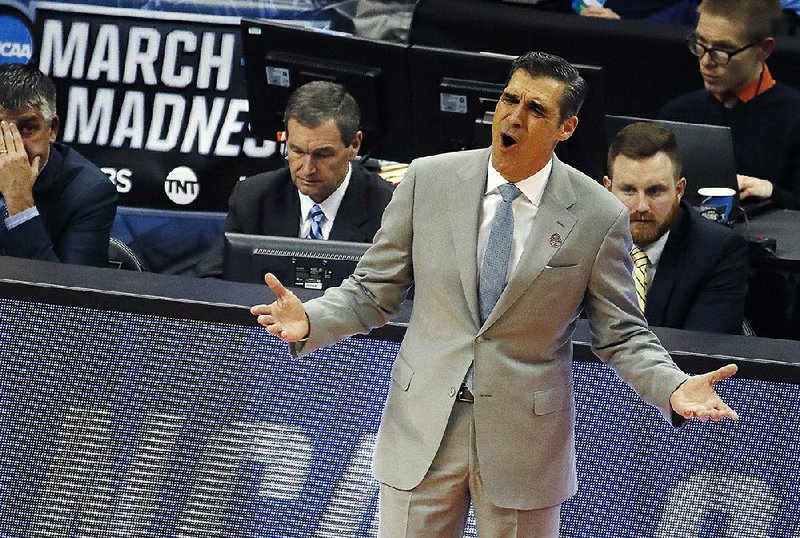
321	194
54	204
691	272
505	246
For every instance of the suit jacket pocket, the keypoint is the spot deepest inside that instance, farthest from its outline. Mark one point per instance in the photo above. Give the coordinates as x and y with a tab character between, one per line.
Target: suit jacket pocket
552	400
402	373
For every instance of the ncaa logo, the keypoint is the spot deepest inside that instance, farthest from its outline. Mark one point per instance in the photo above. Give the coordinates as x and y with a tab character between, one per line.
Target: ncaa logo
16	41
182	186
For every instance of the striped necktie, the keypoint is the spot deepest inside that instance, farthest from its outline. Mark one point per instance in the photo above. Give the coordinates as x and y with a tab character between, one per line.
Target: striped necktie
640	263
317	218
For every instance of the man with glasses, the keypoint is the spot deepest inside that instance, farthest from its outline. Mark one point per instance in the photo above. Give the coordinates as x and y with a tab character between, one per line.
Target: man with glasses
732	42
321	194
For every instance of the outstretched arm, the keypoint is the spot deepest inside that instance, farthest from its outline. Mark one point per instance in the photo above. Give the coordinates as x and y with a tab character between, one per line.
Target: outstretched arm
696	397
285	317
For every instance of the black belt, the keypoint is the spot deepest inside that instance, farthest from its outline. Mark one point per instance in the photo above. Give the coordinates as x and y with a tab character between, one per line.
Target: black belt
464	395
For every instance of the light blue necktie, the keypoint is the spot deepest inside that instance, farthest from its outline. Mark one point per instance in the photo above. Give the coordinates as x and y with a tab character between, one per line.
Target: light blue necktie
317	218
494	268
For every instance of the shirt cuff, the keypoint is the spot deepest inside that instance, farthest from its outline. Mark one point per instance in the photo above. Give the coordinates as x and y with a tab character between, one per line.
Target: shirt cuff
19	218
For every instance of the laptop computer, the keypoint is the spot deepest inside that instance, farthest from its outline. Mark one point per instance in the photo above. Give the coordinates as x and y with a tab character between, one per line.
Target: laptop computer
707	157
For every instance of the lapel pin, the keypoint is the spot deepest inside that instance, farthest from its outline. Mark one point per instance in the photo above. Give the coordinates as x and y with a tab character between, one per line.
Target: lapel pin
555	240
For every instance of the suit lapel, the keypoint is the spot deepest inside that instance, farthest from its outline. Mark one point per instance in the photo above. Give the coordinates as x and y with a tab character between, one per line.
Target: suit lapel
352	212
284	222
550	228
670	266
465	197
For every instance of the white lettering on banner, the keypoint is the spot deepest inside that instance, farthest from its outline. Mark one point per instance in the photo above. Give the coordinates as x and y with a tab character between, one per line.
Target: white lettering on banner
139	59
130	122
59	60
746	502
222	62
231	126
90	123
10	49
121	178
168	109
85	126
105	56
128	115
201	127
146	46
170	74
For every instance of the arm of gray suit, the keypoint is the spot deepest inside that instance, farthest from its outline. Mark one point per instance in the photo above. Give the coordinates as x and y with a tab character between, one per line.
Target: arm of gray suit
620	336
373	294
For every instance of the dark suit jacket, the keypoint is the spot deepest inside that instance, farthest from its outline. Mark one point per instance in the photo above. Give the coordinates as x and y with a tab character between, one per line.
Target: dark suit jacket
701	281
76	203
268	204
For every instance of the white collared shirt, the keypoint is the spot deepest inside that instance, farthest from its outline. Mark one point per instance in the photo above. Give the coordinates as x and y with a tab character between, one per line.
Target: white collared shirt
524	206
654	251
329	206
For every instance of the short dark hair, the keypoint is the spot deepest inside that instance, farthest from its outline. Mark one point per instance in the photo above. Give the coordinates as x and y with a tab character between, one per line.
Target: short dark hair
24	86
644	139
316	102
759	18
542	64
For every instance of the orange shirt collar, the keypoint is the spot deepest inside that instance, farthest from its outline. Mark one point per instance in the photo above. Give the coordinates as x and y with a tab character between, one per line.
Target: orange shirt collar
757	87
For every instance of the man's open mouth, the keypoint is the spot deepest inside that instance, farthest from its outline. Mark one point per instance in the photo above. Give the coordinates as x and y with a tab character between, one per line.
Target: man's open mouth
507	140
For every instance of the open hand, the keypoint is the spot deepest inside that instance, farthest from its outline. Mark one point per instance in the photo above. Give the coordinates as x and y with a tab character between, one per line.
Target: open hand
285	317
696	397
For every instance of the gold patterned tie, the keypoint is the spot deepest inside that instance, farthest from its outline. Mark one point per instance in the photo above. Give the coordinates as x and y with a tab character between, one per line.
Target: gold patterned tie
640	262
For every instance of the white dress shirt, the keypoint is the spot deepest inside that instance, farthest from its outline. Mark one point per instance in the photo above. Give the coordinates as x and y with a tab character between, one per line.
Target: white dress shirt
329	206
524	207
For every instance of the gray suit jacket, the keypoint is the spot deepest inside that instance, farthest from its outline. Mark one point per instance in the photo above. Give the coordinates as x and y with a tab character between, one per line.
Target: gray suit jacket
577	256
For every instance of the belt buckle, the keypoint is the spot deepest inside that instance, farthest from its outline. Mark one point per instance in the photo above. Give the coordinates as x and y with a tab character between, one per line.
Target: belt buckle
464	395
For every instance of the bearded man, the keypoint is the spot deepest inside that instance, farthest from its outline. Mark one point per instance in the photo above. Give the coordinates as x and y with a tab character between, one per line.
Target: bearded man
691	273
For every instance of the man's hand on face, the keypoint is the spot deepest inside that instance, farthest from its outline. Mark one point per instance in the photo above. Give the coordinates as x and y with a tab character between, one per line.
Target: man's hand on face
17	173
752	187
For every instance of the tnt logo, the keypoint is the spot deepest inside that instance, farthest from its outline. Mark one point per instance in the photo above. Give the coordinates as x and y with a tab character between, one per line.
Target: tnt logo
182	186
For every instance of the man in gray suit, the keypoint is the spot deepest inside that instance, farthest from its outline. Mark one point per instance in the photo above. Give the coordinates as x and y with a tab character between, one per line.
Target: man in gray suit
481	403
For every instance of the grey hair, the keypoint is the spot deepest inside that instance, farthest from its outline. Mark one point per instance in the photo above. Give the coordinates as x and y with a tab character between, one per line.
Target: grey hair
24	86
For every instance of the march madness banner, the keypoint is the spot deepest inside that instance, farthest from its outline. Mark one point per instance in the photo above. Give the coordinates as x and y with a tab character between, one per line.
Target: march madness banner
157	100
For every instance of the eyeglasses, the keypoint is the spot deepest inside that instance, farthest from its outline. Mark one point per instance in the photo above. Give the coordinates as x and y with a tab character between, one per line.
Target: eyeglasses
718	56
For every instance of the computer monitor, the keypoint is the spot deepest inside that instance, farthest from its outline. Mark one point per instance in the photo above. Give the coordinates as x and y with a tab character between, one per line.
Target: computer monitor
707	158
455	93
279	58
300	263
